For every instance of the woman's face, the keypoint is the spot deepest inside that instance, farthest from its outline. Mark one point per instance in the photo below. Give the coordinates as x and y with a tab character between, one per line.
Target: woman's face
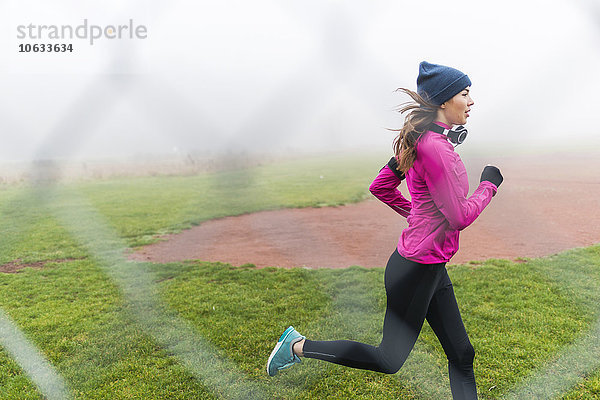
456	110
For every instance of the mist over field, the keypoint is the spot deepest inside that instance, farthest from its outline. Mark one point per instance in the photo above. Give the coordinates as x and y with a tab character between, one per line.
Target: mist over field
213	79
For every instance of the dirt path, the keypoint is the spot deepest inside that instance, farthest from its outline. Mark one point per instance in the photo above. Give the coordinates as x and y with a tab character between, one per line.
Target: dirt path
545	205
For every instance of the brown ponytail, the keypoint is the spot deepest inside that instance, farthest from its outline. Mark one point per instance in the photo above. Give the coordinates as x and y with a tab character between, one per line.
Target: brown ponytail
422	114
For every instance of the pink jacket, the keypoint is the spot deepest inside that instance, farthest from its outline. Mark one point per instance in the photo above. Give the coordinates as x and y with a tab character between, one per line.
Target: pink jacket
438	186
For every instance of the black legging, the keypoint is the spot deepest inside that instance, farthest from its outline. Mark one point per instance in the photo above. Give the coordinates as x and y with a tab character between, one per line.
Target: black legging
414	292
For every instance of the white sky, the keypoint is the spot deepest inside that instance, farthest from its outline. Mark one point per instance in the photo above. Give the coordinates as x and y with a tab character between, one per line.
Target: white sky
227	75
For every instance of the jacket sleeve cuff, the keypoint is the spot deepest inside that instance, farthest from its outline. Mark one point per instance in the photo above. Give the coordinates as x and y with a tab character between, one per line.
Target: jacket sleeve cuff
491	186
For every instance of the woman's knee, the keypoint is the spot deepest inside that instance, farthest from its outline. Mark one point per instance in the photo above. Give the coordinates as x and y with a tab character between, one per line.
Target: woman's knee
464	356
391	365
390	368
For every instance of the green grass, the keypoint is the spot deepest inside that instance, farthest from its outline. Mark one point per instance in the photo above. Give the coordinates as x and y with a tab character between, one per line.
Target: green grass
144	207
111	328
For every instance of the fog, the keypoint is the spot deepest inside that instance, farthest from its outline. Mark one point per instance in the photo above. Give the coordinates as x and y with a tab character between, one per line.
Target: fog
215	77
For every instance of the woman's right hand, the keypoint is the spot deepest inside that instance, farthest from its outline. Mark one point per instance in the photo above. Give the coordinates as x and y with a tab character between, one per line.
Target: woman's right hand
491	174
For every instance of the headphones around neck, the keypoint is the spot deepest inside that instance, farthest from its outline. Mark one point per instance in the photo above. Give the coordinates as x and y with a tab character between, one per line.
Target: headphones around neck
456	136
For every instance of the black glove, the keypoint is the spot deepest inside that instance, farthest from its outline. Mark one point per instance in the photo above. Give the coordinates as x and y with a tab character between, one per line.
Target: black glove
393	164
491	174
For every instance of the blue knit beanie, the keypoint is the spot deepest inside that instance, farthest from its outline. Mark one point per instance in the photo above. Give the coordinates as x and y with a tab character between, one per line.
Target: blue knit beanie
438	83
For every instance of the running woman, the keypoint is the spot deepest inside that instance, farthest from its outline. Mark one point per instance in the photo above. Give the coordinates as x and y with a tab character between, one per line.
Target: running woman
416	281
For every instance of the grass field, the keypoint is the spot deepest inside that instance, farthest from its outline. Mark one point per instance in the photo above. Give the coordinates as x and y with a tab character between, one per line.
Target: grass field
118	329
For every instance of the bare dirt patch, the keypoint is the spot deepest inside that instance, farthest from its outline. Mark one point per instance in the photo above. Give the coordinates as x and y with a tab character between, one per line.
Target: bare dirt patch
17	265
546	204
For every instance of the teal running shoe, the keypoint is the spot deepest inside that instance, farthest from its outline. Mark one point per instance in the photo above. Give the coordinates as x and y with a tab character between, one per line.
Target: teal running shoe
282	355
